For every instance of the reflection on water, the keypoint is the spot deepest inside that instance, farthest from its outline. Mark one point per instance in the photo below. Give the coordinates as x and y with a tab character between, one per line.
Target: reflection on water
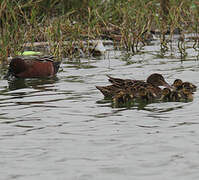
63	127
40	84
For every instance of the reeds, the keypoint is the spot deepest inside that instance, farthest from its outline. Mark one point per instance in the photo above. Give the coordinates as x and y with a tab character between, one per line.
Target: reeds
128	23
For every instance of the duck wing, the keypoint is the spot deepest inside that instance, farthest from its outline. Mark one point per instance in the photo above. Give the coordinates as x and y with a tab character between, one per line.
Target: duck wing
121	82
44	58
109	91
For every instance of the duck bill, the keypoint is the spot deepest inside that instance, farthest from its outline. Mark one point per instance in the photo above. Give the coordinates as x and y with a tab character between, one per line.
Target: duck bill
167	85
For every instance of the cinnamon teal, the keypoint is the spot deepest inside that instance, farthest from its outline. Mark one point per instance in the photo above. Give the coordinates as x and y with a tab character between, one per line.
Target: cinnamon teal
33	67
152	85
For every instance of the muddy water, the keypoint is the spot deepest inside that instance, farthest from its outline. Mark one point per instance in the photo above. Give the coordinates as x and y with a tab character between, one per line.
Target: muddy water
61	128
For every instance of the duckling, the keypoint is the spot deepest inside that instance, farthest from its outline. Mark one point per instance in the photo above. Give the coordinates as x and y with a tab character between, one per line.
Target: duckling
178	84
122	97
175	96
129	96
166	92
187	94
146	94
190	86
169	95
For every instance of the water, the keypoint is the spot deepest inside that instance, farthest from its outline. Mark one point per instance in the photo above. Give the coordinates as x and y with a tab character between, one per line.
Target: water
61	128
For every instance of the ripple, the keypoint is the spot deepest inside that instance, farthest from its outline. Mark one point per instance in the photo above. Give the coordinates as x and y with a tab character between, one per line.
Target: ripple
62	127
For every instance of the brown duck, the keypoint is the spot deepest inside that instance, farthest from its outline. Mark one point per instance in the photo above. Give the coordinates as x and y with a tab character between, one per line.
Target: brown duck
122	97
130	95
178	84
183	94
187	94
33	67
152	85
169	95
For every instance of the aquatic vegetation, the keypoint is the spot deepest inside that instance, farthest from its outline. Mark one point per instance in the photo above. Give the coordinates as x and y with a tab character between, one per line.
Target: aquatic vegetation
63	27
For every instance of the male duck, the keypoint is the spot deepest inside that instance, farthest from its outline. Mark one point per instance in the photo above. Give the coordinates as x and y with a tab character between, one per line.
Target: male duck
33	67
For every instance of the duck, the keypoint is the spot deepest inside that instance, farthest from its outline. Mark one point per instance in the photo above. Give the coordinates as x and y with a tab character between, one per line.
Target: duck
109	91
154	79
129	96
146	94
183	94
170	95
165	96
178	84
187	94
33	67
152	85
123	97
189	86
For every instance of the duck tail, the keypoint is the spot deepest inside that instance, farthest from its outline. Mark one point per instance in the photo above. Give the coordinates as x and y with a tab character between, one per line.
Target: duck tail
101	88
104	91
116	81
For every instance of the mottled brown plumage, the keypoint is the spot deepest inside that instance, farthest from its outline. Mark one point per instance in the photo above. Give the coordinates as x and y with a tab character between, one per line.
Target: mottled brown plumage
122	97
151	84
178	84
187	94
183	94
109	91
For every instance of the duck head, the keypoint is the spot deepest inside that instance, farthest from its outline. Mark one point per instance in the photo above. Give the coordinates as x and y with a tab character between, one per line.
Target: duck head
187	93
146	94
188	85
17	65
166	91
177	83
157	80
142	91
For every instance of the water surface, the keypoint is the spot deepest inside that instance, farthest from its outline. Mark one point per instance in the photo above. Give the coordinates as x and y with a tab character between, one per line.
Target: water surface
62	128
